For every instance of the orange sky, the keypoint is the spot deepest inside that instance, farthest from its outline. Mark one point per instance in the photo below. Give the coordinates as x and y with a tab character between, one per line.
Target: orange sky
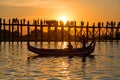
79	10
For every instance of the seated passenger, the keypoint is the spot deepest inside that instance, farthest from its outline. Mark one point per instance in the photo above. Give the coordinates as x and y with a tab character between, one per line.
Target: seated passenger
70	45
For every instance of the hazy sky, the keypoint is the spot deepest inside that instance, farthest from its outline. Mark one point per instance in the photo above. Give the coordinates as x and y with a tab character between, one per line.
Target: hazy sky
86	10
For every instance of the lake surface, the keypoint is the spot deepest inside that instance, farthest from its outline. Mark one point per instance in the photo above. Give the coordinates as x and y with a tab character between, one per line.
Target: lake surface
15	64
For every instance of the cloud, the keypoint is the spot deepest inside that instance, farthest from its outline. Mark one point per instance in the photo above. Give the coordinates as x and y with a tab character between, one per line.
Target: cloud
37	3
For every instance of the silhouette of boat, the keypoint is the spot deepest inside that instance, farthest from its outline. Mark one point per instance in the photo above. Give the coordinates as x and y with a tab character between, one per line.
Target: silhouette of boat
63	52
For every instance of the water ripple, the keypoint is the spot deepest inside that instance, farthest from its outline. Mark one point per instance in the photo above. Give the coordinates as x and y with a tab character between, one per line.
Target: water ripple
103	65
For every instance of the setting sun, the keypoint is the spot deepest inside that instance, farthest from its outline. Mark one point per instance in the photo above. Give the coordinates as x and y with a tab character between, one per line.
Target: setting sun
64	19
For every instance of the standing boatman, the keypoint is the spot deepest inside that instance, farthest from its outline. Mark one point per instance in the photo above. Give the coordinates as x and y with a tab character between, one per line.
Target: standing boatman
84	41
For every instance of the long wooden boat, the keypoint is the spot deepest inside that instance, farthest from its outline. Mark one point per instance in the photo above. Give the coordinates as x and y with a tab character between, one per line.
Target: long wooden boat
63	52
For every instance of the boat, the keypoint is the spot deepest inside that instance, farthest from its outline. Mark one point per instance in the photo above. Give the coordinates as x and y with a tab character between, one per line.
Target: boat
63	52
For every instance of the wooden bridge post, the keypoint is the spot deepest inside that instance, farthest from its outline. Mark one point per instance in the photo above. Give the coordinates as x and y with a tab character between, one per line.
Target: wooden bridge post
87	31
17	31
21	29
116	36
28	31
9	31
99	26
117	32
0	29
112	30
4	31
62	30
49	25
56	26
75	32
41	29
81	28
12	30
41	32
36	32
69	38
106	31
93	31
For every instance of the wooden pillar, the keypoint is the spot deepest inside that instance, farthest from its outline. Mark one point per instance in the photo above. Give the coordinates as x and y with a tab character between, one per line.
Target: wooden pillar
49	31
12	30
93	31
69	37
49	25
35	32
21	29
117	32
41	29
112	31
9	31
17	31
4	30
99	26
81	30
87	31
62	31
0	29
41	32
56	35
28	31
75	32
106	31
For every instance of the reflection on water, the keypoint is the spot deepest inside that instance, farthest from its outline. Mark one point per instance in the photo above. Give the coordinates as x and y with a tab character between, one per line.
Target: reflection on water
102	65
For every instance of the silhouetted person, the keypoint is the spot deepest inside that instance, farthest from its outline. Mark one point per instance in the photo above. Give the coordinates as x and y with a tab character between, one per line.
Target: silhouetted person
99	24
84	41
70	45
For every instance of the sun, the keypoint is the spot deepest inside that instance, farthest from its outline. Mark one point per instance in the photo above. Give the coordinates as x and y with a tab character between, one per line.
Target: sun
64	19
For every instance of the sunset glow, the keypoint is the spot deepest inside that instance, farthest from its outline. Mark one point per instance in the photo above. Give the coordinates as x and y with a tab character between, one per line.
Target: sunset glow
79	10
64	45
64	19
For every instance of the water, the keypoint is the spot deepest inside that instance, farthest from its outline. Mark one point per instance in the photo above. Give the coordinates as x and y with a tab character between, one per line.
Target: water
15	64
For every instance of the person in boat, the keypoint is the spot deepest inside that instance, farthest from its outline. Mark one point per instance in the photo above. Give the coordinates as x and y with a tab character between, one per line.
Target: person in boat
69	45
84	41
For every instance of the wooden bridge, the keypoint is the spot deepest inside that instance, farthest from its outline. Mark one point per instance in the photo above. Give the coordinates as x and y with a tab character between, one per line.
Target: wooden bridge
15	30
